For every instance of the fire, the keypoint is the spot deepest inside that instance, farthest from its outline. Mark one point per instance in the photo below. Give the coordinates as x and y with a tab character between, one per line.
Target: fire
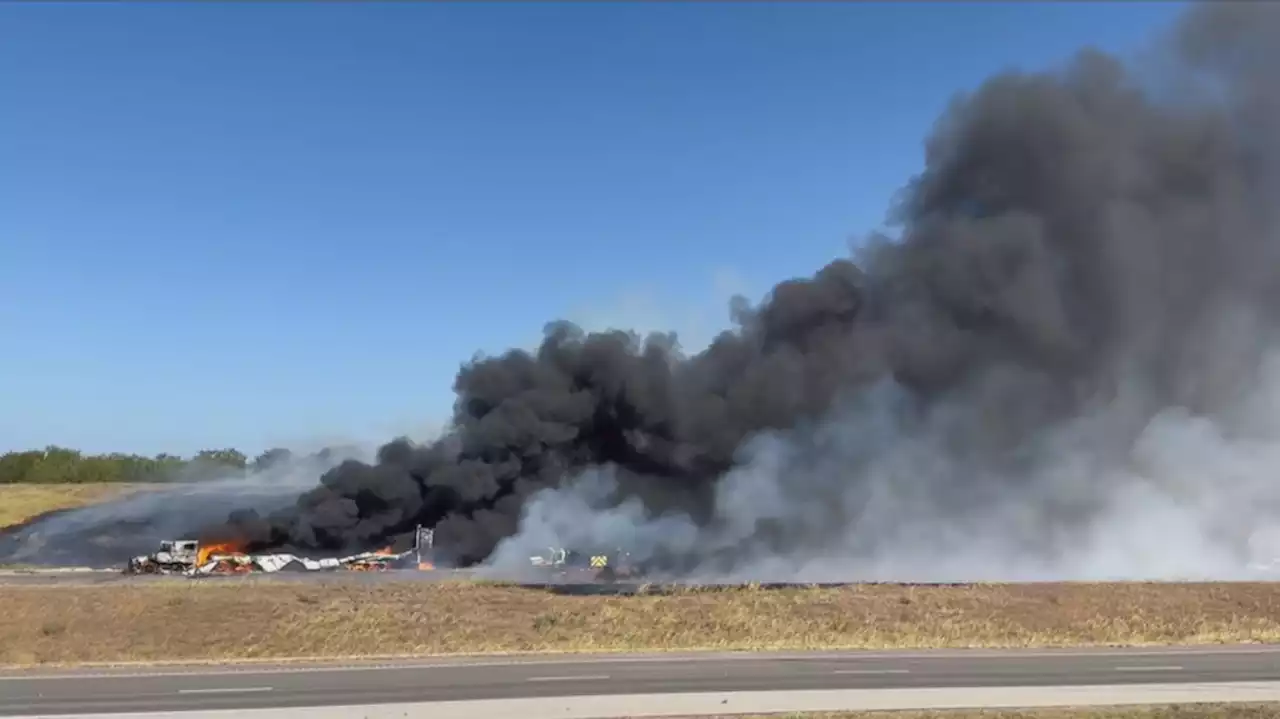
208	550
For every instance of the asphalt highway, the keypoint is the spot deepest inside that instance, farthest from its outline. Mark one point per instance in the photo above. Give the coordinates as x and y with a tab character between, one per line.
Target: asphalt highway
293	685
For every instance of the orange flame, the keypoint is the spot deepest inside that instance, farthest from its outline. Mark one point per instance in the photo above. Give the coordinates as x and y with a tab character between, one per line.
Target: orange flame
208	550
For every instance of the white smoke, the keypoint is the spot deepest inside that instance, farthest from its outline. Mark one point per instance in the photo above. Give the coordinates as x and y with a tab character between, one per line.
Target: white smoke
100	534
872	494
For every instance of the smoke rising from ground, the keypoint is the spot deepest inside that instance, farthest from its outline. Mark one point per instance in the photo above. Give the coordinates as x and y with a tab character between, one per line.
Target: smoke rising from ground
1183	501
1064	366
100	535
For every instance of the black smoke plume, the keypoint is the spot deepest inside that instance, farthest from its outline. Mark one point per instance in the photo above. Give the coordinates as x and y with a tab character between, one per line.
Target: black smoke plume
1074	235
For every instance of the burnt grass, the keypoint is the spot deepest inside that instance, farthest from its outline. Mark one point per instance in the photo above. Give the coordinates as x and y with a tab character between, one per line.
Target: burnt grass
253	618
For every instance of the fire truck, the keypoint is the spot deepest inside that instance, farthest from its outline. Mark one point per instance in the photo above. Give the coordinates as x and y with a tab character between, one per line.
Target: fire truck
561	563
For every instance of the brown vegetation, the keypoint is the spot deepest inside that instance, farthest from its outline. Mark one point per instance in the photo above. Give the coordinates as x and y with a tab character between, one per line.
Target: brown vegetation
20	502
253	618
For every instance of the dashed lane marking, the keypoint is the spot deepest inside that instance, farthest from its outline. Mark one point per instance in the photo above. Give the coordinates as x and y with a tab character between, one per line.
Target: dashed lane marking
227	690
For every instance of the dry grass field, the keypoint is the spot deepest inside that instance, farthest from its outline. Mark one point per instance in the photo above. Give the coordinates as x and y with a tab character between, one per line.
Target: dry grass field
1190	711
20	502
246	619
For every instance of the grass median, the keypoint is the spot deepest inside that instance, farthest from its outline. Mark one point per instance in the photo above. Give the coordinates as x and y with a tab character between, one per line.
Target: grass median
253	619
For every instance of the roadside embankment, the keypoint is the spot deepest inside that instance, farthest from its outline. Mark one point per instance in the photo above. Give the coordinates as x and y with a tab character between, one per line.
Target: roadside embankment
256	618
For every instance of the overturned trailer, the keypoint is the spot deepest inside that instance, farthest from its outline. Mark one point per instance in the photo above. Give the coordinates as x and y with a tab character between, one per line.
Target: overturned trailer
240	563
191	558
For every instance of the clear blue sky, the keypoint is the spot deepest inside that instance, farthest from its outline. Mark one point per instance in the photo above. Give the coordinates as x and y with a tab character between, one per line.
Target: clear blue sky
234	225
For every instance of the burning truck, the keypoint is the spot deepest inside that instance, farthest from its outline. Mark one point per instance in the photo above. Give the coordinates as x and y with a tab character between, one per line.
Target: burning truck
191	558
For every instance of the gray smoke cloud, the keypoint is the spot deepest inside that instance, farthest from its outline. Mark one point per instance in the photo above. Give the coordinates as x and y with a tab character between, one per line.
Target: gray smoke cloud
1064	368
870	495
100	535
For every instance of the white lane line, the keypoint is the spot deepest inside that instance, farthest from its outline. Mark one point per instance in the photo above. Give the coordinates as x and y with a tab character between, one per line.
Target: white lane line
1169	668
226	690
416	663
870	671
580	678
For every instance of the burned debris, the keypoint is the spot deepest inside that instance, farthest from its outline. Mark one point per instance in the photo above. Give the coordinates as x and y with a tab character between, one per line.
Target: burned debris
194	558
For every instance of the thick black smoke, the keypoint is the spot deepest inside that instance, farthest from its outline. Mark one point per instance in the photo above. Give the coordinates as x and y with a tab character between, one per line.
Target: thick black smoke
1071	233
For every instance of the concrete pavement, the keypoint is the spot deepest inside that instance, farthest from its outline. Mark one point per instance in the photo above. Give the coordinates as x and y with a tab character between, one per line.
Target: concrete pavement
369	685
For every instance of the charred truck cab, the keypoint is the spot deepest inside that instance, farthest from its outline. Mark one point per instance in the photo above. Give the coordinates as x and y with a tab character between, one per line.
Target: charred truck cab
174	556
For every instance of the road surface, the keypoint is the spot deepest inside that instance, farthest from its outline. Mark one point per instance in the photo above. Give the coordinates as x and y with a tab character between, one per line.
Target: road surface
45	693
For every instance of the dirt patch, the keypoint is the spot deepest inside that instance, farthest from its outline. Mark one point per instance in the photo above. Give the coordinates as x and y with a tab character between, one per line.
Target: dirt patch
254	619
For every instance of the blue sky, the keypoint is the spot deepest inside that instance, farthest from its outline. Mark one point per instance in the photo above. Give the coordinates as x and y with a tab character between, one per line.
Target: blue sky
238	225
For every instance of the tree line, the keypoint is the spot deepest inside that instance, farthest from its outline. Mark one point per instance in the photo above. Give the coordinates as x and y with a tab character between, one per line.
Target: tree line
61	465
